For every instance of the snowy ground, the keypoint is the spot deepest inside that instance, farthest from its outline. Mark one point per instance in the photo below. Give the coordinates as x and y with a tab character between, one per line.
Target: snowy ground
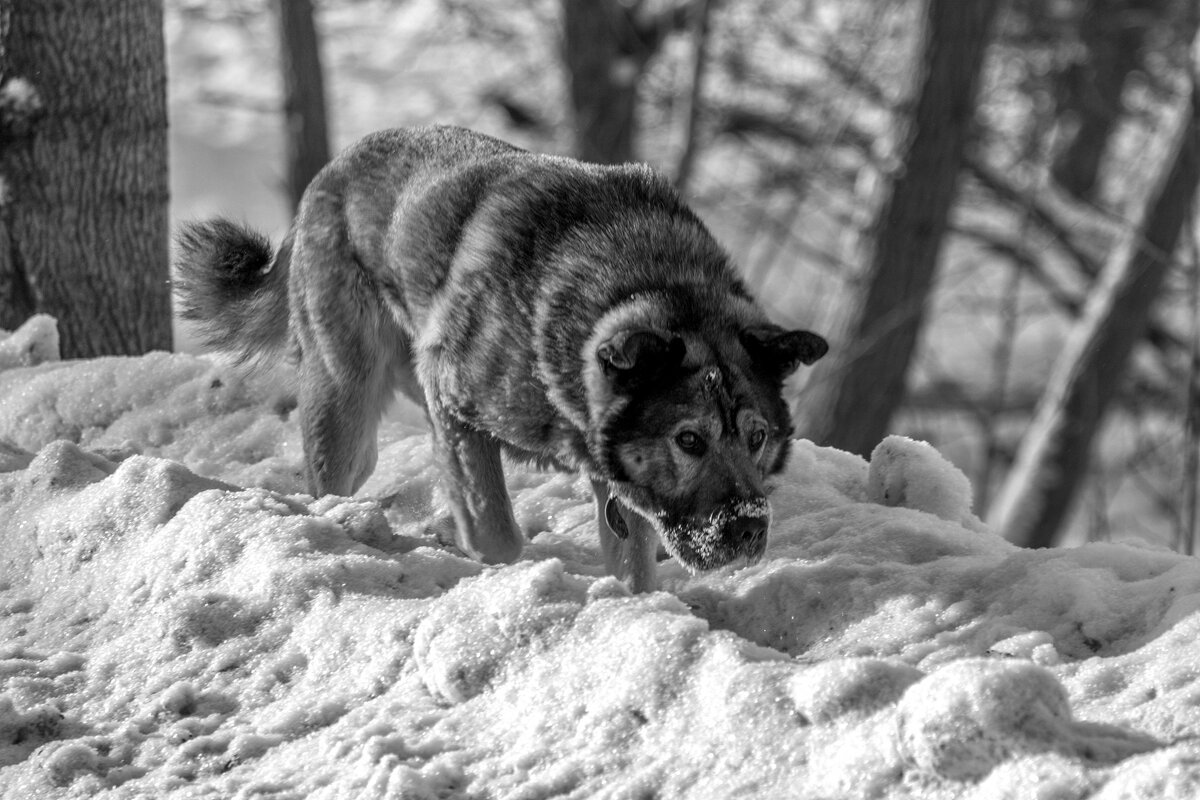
166	633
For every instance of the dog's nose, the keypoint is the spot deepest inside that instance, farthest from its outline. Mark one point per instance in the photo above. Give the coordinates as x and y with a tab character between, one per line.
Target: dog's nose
749	534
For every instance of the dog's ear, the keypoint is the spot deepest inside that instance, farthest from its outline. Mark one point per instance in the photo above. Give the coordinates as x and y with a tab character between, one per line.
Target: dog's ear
632	357
780	352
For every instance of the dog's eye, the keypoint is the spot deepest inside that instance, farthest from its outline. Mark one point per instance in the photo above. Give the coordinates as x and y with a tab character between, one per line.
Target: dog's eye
690	442
757	438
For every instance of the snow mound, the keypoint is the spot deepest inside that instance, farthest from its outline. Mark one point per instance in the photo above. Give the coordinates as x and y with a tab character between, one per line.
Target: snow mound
972	715
179	620
832	689
34	342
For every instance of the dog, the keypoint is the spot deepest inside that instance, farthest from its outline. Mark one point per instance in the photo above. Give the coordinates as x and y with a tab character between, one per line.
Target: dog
577	316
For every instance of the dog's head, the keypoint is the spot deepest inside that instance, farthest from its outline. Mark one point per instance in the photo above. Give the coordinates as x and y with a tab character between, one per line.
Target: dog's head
691	427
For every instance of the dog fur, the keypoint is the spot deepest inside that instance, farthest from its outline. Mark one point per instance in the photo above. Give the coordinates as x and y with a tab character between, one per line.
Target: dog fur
577	316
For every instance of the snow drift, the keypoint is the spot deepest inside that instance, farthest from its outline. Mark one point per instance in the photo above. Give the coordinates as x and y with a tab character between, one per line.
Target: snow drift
179	620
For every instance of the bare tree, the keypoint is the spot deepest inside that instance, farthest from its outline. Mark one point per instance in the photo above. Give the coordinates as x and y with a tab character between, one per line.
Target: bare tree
1040	491
692	100
1111	34
307	135
83	160
852	399
606	47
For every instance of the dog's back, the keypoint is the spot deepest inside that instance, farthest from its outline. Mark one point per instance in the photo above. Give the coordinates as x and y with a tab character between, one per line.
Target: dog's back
496	264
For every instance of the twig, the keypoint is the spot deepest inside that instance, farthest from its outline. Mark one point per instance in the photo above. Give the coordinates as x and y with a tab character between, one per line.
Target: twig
1017	250
1038	211
239	101
1050	222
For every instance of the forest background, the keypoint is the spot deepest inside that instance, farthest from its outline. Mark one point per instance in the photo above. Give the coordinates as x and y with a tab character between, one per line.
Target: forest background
987	207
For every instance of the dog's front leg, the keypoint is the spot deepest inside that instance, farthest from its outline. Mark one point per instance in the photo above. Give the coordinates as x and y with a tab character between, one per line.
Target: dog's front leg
485	527
633	556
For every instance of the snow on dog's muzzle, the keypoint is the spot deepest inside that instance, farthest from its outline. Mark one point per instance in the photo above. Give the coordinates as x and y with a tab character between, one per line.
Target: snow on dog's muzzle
735	530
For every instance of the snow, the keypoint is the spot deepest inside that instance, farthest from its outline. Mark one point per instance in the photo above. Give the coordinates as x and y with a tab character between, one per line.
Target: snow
165	632
911	474
33	343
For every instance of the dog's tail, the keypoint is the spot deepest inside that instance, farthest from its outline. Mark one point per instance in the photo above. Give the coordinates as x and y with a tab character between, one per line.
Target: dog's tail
232	288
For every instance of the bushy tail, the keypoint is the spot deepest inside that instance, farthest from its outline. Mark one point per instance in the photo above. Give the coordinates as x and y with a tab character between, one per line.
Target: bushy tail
232	288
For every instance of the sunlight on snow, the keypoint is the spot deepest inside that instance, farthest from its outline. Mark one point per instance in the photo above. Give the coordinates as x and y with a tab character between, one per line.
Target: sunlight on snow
168	632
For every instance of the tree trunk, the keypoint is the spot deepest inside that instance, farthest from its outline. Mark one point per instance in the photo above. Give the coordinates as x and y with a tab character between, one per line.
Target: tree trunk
1041	488
850	401
83	154
605	47
692	100
307	135
1112	33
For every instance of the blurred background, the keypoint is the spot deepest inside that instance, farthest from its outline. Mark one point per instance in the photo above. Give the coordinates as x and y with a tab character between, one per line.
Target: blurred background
987	207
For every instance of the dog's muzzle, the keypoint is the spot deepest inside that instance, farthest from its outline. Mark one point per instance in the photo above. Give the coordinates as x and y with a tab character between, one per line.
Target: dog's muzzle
748	535
733	531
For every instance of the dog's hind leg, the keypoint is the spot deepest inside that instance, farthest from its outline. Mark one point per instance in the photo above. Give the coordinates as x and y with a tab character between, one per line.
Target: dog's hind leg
339	420
483	515
351	348
348	377
630	554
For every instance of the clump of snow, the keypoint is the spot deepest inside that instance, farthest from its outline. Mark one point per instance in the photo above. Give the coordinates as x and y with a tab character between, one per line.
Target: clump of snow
20	106
179	619
18	95
972	715
909	474
35	342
